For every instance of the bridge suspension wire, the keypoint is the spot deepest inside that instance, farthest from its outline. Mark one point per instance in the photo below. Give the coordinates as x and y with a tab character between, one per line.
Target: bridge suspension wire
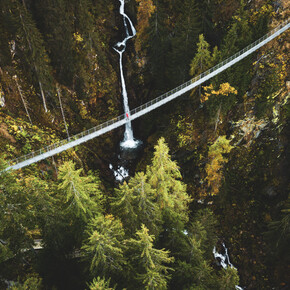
101	129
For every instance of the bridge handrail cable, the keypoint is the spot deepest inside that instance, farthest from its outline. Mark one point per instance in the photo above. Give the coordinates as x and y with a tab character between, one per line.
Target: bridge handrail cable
148	104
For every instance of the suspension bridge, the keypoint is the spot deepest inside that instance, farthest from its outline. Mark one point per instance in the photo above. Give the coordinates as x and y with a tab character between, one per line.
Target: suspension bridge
101	129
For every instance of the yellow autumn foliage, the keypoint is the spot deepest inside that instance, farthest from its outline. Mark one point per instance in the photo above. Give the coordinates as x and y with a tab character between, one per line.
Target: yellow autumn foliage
144	11
216	162
225	89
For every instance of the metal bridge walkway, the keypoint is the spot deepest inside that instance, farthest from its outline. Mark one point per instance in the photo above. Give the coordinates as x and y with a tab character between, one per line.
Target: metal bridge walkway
145	108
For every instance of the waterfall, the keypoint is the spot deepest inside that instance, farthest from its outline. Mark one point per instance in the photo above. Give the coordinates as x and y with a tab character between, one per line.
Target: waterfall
120	47
224	261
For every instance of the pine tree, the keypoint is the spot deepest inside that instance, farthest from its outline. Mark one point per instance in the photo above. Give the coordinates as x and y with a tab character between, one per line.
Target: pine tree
206	9
238	36
158	47
194	257
15	219
58	29
148	262
31	283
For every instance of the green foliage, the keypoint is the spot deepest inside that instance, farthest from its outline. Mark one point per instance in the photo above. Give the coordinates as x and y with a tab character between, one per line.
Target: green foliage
163	176
216	162
137	201
31	283
30	46
14	217
193	270
100	284
158	47
202	60
238	36
82	192
229	278
204	229
104	246
186	32
150	262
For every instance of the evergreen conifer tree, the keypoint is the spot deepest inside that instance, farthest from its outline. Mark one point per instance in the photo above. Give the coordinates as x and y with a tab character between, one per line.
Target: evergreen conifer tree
104	245
100	284
186	31
149	263
171	197
30	44
81	192
202	59
135	204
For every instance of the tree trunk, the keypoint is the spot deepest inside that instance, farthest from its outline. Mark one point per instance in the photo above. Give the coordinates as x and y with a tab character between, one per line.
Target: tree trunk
22	98
62	112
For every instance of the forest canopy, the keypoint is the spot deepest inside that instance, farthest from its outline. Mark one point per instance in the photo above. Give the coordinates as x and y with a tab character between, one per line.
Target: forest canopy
211	179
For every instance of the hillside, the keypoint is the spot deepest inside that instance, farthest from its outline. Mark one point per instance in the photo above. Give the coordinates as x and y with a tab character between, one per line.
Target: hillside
213	168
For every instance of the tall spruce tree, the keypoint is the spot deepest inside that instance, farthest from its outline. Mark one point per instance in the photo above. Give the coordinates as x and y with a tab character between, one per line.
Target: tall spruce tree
202	59
135	204
104	245
30	45
58	30
158	46
185	35
150	264
238	36
82	193
164	177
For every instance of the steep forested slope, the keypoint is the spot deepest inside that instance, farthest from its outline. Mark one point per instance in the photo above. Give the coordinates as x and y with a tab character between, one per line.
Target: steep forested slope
226	178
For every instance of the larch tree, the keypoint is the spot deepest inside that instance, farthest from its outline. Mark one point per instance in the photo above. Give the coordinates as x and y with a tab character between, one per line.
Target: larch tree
219	101
216	162
145	9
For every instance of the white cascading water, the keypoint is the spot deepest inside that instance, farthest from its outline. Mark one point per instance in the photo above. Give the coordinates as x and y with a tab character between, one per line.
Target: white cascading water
120	47
224	260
